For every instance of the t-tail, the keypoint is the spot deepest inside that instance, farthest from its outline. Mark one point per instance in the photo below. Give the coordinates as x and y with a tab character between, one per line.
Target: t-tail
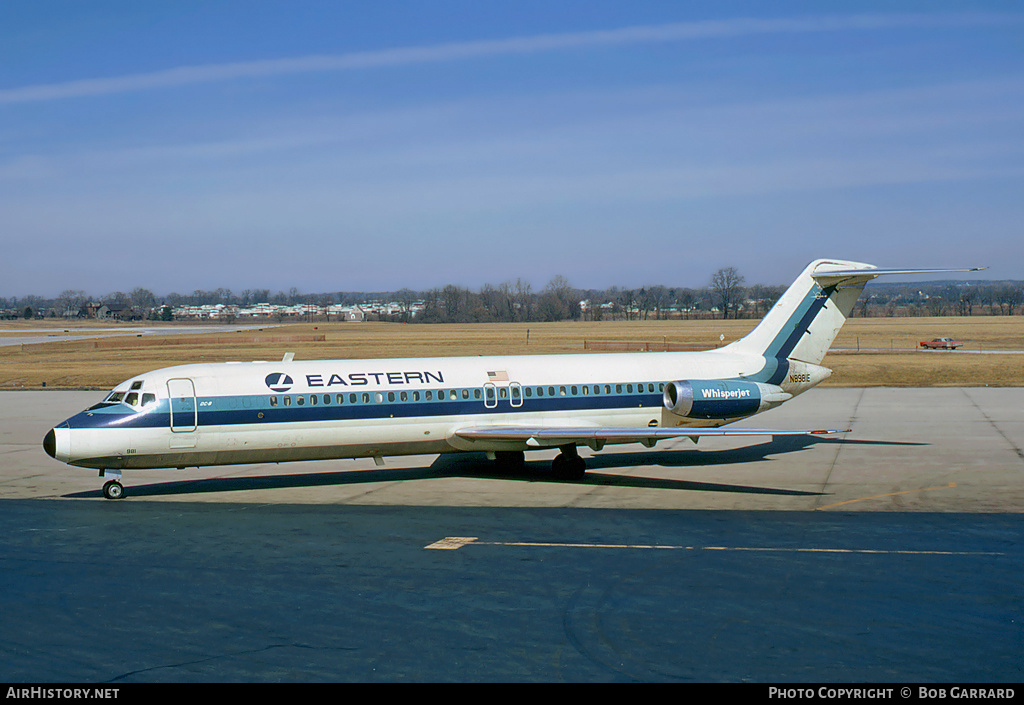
797	332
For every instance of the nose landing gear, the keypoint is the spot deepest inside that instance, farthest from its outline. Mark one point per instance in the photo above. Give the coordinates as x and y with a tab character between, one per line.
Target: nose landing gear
112	489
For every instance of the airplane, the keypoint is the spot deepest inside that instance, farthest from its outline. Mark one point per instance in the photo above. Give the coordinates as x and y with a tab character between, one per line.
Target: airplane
257	412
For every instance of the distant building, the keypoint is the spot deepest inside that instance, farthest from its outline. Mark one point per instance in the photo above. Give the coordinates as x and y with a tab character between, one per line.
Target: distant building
113	311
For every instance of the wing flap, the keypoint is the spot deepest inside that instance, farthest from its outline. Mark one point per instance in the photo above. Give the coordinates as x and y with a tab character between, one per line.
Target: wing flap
545	436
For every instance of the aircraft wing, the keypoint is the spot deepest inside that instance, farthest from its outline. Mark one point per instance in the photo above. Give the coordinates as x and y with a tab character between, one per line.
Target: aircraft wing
548	436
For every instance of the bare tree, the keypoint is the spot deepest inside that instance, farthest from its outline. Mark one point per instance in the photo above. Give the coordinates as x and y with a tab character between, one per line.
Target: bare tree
727	290
558	301
523	300
142	302
70	303
1010	296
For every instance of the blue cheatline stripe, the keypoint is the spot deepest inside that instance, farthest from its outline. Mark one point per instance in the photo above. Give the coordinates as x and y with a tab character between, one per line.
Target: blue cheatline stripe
226	413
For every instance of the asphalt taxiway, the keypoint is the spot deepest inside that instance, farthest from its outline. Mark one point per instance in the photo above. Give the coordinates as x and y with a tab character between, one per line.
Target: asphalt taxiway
892	554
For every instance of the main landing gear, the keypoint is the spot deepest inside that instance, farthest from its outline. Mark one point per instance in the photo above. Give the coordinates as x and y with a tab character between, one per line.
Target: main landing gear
112	489
567	465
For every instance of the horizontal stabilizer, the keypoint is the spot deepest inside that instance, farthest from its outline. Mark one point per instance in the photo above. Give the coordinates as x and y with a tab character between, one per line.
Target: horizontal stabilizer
837	276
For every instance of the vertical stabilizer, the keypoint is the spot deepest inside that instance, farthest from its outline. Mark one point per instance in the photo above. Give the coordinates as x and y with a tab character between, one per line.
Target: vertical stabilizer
806	319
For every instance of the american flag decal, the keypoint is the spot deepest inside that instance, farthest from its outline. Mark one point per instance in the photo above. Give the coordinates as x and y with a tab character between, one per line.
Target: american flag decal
499	376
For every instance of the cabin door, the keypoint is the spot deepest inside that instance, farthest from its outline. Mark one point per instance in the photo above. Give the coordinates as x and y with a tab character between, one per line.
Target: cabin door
184	410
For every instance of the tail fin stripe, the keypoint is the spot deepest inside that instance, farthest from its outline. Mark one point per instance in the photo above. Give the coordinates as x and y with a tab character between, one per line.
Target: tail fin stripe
791	333
776	365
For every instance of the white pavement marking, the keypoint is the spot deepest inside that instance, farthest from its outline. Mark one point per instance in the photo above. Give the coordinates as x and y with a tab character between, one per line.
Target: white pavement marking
452	543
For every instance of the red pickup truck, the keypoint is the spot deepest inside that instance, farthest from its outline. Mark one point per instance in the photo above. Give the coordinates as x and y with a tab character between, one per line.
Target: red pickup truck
941	344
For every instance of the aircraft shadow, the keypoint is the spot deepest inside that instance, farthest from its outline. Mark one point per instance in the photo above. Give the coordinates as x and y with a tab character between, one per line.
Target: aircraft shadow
476	465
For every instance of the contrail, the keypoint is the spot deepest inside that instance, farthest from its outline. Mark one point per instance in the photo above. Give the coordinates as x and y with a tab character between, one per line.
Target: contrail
459	51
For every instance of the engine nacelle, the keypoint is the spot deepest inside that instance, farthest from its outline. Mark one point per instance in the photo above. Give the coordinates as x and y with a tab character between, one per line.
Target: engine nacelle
721	399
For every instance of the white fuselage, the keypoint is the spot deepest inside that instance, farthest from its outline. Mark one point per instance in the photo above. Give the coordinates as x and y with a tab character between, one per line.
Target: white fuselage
214	414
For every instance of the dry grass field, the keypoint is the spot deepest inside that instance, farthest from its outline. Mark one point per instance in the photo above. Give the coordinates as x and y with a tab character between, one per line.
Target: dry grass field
868	352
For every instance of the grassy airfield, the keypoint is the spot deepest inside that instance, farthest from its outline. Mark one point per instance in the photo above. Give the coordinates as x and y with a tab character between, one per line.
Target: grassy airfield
868	352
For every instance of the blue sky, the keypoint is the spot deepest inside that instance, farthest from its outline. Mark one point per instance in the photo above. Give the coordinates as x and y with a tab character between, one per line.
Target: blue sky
347	146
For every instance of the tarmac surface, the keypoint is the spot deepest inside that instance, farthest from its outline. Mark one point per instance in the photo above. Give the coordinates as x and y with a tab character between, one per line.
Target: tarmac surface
891	555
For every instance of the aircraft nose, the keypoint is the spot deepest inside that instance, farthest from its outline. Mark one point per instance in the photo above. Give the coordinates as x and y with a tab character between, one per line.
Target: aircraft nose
50	444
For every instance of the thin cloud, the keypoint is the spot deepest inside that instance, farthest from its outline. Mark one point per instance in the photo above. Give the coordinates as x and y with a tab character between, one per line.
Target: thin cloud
457	51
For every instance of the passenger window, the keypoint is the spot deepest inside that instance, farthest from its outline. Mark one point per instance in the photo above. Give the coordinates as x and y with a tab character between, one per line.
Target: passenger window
366	397
404	396
313	399
607	389
551	391
573	390
300	400
561	391
273	401
454	395
618	389
529	391
287	401
327	398
378	397
391	396
415	396
540	391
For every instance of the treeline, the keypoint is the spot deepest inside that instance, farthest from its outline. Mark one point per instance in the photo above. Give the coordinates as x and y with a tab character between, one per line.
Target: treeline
726	296
944	298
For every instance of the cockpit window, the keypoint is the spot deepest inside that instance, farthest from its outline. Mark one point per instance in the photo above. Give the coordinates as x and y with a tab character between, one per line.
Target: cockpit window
112	398
133	397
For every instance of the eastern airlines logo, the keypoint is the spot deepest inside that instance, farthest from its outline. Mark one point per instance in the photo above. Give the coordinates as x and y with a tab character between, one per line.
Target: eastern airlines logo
279	382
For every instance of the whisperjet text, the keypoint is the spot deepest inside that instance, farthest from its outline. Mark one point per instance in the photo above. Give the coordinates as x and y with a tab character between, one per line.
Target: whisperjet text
725	393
